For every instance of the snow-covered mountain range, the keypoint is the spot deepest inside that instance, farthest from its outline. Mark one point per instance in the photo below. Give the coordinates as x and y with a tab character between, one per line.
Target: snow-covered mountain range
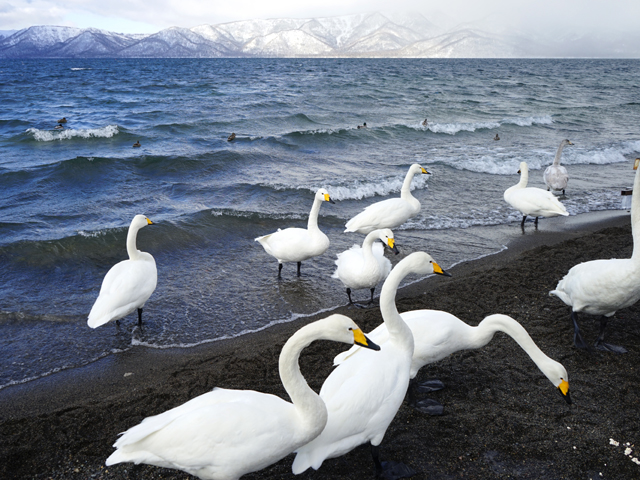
362	35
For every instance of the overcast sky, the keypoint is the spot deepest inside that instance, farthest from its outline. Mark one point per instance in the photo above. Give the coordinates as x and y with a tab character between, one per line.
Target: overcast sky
149	16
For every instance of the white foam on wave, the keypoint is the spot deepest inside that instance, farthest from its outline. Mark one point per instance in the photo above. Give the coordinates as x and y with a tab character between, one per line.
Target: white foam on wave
69	133
505	162
453	128
358	189
79	68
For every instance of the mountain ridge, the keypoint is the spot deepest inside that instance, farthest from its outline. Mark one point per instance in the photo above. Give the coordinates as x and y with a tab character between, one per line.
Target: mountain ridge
358	35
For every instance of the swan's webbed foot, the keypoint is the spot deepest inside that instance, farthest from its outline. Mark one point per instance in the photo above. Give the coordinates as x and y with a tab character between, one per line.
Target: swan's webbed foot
390	470
578	341
604	346
427	405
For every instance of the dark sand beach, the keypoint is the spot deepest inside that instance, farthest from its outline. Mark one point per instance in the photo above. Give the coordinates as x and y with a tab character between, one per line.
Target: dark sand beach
502	418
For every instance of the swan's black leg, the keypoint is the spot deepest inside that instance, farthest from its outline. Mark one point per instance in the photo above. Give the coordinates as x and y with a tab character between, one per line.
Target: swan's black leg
536	222
563	191
372	290
577	336
299	265
523	219
279	270
602	345
140	319
390	470
349	295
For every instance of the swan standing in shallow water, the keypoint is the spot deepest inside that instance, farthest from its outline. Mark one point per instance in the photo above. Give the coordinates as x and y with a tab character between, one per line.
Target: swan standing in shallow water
364	393
556	176
532	201
601	287
389	213
438	334
366	266
127	285
298	244
224	434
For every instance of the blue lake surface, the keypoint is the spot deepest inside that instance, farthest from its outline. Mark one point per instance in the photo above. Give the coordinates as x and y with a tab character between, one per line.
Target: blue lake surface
67	196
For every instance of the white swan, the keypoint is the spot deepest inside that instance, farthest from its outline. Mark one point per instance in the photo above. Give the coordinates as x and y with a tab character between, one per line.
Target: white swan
556	176
364	393
601	287
438	334
532	201
298	244
127	285
366	266
389	213
224	434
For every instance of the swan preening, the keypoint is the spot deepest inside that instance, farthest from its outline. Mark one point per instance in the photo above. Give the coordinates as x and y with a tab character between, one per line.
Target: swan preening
531	201
298	244
366	266
438	334
364	393
556	176
224	434
127	285
601	287
389	213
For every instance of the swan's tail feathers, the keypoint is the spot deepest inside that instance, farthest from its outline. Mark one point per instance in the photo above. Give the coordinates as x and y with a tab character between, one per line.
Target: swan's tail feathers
262	239
304	460
562	296
134	456
100	314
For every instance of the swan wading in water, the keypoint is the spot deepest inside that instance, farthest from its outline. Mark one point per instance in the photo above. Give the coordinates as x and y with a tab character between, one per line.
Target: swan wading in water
556	176
389	213
531	201
224	434
364	393
438	334
366	266
601	287
298	244
127	285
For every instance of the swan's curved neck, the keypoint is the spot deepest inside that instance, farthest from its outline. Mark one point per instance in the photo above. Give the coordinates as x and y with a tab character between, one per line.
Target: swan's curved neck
635	217
556	161
405	191
503	323
367	245
397	328
312	409
312	224
524	178
132	250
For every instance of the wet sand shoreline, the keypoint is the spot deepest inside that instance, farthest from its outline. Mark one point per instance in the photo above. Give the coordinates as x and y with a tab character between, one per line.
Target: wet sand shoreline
503	419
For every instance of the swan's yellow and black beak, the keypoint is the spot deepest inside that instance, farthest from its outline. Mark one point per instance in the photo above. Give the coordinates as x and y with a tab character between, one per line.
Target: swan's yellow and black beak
327	198
361	339
564	390
424	170
391	243
438	270
149	222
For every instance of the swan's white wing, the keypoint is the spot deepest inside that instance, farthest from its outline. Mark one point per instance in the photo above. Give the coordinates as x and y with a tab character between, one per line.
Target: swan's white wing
599	287
294	244
223	432
126	286
388	213
536	202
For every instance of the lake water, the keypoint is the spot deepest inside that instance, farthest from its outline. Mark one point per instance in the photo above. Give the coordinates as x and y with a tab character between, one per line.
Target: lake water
67	196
